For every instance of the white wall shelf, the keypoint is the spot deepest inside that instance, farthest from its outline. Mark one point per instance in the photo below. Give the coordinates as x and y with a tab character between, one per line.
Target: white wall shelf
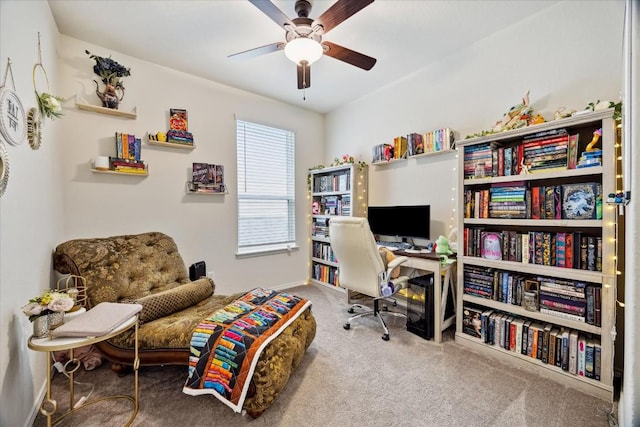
204	193
146	173
171	144
108	111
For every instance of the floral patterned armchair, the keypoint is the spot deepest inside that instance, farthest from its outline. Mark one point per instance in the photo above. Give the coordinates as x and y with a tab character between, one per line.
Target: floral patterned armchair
147	269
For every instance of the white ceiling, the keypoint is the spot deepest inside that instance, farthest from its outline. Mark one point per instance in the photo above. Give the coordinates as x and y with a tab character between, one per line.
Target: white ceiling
197	36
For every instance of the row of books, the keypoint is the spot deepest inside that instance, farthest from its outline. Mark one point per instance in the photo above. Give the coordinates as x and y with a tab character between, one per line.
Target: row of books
129	166
320	227
430	142
414	144
568	299
541	152
323	251
183	137
572	351
519	200
386	152
128	147
325	273
576	249
330	183
207	178
332	205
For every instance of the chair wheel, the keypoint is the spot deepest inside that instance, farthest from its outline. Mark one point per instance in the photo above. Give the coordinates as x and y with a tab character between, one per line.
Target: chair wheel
350	310
385	337
385	308
347	326
395	303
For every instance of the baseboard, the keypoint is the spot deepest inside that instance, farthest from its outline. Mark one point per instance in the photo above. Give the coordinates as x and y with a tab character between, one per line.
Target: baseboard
35	410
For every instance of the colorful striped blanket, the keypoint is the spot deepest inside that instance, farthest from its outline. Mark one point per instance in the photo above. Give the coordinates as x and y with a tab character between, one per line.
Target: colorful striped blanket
226	346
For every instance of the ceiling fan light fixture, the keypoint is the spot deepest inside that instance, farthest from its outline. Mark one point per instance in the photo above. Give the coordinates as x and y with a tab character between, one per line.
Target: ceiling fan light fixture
303	49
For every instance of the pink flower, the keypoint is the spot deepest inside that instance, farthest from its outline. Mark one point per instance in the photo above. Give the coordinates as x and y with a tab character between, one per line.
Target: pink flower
62	303
33	309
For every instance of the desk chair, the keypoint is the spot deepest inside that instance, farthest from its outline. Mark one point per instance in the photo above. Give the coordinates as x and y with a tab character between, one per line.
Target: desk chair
361	268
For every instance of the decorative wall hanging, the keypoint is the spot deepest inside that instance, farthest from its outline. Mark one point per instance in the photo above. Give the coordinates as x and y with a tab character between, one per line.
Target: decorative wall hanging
34	133
13	120
4	168
50	105
110	72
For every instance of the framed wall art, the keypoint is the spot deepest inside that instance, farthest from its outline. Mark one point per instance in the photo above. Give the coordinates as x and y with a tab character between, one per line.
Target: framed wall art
13	120
4	168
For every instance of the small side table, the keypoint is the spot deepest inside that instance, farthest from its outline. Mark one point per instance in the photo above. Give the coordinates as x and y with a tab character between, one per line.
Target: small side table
49	406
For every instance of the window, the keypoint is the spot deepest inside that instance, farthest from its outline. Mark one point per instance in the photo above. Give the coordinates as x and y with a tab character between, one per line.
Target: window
266	200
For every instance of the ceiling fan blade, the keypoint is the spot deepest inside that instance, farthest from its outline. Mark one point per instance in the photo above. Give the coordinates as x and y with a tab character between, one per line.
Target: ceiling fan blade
340	11
304	75
262	50
272	11
349	56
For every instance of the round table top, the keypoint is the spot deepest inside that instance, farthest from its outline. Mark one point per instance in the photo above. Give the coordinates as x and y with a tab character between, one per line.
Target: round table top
66	343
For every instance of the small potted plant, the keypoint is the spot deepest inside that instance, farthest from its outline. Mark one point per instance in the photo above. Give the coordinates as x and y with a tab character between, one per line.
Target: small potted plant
47	311
110	73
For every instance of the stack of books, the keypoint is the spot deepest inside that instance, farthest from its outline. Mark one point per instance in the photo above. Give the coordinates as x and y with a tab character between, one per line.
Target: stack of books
207	178
590	158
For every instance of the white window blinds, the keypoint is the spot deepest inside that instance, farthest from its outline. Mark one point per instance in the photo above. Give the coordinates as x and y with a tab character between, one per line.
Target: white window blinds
266	200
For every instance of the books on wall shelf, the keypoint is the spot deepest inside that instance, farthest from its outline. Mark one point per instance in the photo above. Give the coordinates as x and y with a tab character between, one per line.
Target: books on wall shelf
414	144
207	178
127	159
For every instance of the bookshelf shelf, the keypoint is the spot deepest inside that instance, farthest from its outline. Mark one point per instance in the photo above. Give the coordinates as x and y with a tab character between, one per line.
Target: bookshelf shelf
336	190
587	291
204	193
432	154
171	144
390	161
566	223
593	387
516	309
538	176
110	172
108	111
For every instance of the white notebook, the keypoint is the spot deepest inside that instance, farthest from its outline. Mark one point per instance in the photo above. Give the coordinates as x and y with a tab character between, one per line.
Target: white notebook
100	320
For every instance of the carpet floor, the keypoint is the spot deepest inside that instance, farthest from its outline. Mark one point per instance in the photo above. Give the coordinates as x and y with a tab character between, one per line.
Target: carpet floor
353	378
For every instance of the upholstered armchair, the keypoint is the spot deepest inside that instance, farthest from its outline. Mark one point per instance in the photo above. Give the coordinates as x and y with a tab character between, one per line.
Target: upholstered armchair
148	269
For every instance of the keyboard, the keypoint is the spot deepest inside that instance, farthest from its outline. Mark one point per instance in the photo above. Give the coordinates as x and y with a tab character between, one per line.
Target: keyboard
394	245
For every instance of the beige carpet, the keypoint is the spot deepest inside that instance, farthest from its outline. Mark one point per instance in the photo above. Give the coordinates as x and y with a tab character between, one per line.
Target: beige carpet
354	378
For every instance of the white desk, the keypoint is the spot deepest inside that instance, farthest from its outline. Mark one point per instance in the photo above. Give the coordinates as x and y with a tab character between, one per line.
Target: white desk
444	282
49	345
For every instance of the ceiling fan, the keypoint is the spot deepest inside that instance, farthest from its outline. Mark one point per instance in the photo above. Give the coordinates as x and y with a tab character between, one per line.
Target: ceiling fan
303	36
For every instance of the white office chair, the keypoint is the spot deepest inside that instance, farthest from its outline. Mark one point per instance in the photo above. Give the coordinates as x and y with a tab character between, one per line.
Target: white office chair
361	269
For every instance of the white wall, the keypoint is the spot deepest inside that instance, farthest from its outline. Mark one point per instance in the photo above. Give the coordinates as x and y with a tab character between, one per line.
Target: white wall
30	211
566	55
204	227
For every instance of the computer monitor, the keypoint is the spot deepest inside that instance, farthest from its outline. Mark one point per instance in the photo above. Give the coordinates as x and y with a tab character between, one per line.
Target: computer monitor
400	221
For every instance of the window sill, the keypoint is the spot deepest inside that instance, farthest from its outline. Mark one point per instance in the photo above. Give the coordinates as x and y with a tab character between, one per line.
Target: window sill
266	250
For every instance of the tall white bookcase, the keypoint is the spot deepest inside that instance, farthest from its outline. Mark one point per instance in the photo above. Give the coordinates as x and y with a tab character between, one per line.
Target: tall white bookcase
472	259
335	190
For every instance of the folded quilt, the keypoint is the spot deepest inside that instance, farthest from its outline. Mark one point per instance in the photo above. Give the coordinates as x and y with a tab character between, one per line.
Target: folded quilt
225	347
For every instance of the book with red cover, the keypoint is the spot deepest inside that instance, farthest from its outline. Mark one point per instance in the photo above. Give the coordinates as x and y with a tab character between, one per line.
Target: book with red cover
573	151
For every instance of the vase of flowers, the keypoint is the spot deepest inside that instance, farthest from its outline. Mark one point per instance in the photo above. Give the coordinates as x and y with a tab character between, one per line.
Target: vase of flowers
47	311
110	73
